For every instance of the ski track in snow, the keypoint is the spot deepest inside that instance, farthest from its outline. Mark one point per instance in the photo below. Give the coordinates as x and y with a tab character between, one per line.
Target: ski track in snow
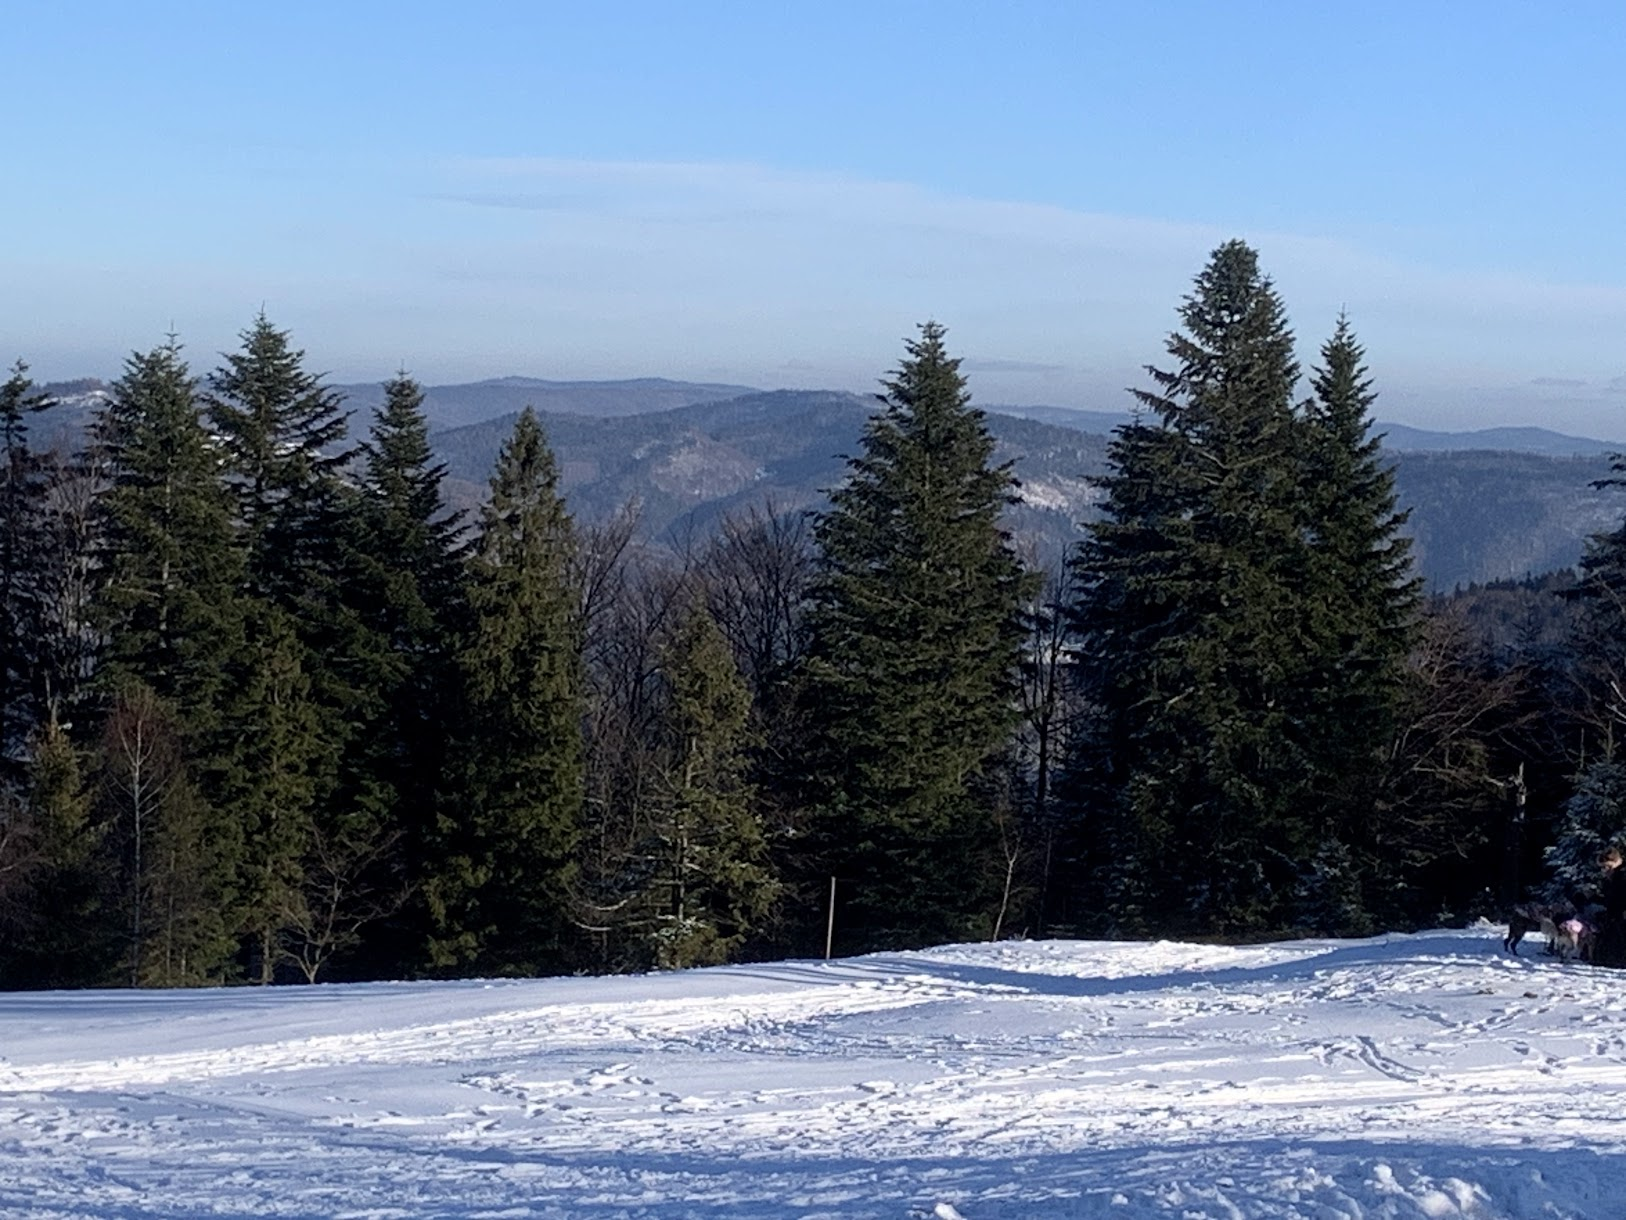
1423	1076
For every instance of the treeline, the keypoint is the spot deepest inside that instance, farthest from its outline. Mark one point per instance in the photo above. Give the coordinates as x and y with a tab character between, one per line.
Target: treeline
270	711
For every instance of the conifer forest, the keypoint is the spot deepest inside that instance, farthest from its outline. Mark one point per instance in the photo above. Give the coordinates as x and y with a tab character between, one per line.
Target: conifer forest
272	712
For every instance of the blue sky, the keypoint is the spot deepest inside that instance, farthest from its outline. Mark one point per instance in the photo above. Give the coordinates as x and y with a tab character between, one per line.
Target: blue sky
775	194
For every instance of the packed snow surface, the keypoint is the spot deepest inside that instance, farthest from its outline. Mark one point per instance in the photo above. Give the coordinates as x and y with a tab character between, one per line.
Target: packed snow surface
1404	1076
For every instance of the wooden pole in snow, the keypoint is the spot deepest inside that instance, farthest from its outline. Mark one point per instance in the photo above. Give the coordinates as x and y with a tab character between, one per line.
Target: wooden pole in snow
830	924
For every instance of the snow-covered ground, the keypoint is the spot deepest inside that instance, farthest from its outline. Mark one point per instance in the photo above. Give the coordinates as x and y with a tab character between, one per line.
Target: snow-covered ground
1428	1076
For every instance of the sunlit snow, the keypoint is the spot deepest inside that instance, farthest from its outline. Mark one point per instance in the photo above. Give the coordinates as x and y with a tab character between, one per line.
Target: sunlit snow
1403	1076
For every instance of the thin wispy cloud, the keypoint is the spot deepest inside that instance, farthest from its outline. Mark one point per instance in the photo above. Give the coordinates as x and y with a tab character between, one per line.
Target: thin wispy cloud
1038	283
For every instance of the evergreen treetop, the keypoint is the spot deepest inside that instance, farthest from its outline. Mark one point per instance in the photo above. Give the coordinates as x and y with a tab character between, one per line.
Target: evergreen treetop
407	549
1361	591
282	429
402	478
1354	521
171	569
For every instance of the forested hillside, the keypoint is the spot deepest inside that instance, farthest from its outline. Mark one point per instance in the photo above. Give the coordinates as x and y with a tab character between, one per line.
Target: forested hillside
288	694
1480	516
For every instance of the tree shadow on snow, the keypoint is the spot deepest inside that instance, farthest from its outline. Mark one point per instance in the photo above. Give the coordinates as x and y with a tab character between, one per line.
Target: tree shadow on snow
1433	951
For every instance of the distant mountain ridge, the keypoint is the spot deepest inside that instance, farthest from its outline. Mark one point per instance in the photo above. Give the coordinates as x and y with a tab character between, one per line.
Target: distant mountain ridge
1401	438
1493	504
1066	417
451	406
460	404
1404	439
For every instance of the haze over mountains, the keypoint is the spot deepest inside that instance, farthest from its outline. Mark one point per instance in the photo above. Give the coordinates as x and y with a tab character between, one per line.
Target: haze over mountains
450	406
1493	504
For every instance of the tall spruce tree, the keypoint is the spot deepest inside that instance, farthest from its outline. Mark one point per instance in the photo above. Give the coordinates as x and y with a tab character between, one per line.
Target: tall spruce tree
283	434
407	590
170	608
910	673
1361	601
318	677
1193	641
503	902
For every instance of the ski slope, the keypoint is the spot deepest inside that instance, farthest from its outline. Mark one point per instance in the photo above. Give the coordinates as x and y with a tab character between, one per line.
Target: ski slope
1402	1076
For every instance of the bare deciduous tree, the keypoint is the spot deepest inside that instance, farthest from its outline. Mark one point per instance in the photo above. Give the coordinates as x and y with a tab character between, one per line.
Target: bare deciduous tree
754	574
143	765
341	895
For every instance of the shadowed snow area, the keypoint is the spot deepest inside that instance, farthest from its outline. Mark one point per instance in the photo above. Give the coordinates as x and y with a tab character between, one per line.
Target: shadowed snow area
1402	1076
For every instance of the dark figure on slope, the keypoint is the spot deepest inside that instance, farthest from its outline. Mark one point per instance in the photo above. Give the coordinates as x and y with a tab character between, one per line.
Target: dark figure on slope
1610	947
